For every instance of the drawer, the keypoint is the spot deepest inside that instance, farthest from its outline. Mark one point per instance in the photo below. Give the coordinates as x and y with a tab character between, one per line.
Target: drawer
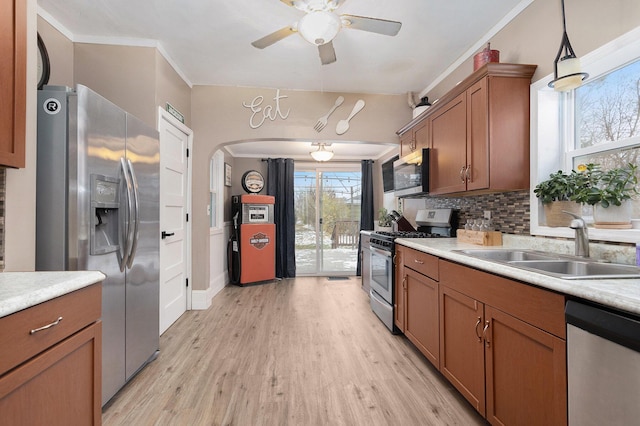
77	310
421	262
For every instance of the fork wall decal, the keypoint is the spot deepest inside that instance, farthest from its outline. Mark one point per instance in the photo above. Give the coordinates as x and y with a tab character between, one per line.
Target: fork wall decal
322	121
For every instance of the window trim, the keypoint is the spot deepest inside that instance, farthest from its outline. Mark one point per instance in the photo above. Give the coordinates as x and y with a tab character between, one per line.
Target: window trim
549	137
216	167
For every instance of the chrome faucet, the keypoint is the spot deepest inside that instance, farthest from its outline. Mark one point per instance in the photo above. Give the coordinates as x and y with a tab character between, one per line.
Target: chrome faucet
582	236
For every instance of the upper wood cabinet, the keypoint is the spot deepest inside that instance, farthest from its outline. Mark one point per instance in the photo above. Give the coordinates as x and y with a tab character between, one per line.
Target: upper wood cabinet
479	132
414	136
13	70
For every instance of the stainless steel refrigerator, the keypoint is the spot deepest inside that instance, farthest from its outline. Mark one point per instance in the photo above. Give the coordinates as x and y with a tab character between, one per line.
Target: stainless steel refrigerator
97	208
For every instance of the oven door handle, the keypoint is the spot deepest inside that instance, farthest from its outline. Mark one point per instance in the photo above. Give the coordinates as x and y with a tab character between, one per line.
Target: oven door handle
380	252
374	295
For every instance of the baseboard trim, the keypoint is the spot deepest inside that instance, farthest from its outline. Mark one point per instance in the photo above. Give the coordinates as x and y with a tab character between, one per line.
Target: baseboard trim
201	299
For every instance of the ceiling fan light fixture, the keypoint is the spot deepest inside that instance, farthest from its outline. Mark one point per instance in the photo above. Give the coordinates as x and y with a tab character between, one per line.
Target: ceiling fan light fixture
321	154
319	27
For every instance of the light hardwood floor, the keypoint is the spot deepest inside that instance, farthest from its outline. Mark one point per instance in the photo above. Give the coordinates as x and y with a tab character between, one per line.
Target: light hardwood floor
305	351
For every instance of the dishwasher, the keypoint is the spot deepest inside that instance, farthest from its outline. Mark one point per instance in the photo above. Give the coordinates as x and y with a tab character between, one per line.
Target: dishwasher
603	365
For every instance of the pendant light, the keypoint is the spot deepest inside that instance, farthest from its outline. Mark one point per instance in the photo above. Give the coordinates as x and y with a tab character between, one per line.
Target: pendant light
321	154
566	67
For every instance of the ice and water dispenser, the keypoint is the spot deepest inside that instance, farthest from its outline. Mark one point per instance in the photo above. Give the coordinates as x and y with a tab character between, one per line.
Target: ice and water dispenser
105	214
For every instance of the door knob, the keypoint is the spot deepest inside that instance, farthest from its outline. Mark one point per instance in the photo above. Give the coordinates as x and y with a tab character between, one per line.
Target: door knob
166	234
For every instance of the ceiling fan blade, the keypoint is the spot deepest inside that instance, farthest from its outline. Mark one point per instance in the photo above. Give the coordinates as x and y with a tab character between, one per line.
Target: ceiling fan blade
374	25
273	37
327	53
288	2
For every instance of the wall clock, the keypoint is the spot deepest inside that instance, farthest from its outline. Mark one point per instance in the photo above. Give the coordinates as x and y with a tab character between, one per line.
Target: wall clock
252	181
44	68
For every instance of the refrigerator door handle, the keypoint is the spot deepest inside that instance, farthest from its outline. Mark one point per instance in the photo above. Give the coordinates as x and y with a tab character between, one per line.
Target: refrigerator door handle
136	222
125	245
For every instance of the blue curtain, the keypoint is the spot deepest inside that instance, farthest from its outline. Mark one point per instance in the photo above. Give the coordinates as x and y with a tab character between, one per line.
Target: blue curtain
366	205
280	185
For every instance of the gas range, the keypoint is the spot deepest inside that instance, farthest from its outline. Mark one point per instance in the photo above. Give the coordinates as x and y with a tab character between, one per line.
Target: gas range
384	239
432	223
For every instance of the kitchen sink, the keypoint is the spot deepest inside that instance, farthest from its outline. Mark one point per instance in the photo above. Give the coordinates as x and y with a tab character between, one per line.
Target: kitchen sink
561	266
574	269
508	255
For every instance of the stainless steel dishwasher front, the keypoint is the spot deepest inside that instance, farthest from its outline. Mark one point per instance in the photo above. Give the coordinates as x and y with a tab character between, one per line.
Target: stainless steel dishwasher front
603	365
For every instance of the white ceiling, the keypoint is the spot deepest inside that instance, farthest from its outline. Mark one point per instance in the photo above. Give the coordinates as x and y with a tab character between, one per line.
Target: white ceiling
209	41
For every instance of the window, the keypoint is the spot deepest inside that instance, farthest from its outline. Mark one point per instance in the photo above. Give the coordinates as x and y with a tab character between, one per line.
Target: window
597	123
216	190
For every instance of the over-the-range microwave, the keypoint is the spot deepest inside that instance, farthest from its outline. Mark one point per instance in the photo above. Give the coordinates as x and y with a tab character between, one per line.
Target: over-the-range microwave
411	174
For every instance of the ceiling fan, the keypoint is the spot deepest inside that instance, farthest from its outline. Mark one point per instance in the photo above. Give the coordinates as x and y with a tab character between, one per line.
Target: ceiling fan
321	24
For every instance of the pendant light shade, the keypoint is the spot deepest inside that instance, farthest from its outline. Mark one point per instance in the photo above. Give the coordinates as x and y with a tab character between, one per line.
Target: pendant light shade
321	154
566	67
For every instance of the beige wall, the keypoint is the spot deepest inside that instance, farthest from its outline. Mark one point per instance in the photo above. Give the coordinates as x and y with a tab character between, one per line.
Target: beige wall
60	51
170	87
534	36
220	118
124	75
134	78
20	197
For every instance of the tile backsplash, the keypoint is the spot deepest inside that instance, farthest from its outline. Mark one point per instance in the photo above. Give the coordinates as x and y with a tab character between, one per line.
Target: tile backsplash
510	211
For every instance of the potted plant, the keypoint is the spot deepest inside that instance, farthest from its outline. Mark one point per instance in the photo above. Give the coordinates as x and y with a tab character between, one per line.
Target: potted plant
556	195
384	220
609	192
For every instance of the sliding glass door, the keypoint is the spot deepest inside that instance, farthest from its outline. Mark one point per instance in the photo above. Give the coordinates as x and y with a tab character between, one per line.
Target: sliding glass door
327	204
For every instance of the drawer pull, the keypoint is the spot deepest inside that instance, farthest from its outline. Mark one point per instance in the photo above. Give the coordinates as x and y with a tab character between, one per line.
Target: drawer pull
418	261
44	327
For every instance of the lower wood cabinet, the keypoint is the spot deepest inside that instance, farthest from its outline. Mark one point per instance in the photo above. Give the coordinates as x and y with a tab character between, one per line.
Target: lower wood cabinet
416	306
61	383
525	372
461	345
422	314
501	343
511	369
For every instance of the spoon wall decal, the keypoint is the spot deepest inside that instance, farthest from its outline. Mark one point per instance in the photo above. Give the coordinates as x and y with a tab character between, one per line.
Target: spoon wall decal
343	125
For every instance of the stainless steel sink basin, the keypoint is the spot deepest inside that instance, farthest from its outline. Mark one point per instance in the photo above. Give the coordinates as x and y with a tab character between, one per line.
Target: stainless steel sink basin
573	269
561	266
501	255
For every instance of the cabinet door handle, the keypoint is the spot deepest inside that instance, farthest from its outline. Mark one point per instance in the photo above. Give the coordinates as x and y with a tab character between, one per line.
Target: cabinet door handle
44	327
404	283
462	169
487	343
476	328
467	173
418	261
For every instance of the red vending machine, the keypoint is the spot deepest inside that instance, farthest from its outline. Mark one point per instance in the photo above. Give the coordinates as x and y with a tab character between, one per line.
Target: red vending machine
252	248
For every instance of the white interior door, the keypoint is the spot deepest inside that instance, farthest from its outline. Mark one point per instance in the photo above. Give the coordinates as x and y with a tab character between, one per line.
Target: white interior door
175	139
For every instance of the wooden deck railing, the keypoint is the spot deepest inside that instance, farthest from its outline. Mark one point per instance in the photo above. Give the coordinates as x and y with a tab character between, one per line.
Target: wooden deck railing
345	234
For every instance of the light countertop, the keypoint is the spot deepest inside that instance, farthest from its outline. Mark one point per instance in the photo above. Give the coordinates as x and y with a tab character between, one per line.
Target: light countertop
623	294
21	290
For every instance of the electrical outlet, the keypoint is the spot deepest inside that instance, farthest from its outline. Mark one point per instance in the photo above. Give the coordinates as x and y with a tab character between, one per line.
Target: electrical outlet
487	214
